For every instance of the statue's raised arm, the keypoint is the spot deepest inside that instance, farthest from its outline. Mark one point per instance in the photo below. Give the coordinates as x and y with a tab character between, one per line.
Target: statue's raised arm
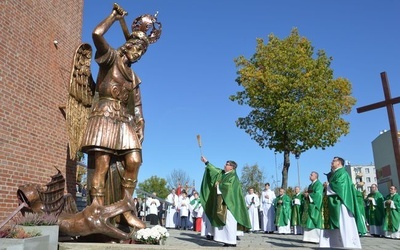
99	41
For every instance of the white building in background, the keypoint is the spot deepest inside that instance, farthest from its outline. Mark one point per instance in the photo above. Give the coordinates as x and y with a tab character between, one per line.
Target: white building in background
385	162
363	176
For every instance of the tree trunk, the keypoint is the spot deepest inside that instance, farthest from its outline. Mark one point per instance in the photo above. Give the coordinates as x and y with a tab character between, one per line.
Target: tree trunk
285	169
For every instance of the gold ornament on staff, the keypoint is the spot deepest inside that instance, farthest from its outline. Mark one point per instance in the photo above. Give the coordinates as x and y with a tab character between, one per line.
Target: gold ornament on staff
199	142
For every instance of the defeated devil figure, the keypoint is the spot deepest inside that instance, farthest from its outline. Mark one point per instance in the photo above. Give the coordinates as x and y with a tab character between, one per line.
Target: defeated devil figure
97	219
94	219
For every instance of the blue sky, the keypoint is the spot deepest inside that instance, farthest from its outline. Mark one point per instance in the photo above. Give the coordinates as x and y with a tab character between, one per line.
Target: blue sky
188	75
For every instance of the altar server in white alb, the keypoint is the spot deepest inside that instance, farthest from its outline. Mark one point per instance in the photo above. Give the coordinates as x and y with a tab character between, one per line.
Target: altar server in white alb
267	207
252	203
153	204
171	217
183	206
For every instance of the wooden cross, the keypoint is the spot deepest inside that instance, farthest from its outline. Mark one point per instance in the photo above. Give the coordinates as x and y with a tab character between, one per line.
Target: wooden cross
388	102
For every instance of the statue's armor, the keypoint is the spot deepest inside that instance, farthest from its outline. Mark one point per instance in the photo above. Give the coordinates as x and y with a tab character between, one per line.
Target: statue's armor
112	125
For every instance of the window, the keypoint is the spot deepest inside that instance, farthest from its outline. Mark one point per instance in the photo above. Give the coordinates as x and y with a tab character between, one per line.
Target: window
368	179
367	170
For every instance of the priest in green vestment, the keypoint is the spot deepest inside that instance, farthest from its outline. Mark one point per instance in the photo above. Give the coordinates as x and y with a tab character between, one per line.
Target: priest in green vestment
345	221
391	223
282	206
223	201
313	213
297	211
375	211
361	207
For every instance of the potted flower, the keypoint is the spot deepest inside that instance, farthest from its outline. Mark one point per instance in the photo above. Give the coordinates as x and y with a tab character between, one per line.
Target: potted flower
152	236
17	238
44	223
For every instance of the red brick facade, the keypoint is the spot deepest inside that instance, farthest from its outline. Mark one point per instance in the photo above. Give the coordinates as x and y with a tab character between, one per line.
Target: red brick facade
34	74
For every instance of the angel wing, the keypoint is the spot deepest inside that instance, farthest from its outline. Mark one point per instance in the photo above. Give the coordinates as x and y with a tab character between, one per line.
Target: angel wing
81	91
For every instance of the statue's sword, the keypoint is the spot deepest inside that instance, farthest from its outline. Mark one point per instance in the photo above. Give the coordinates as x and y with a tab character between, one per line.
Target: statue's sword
122	21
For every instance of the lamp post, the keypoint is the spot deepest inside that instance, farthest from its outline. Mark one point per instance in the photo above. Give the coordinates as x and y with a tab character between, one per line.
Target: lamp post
276	170
297	155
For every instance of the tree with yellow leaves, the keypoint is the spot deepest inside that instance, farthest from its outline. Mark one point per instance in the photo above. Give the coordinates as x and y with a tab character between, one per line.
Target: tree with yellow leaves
296	102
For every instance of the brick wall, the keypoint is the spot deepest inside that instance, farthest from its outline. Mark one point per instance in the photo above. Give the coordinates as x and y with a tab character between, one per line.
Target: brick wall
33	85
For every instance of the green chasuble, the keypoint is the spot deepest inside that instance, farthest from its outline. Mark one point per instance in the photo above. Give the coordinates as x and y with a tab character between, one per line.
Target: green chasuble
282	210
232	197
297	210
313	213
375	213
392	215
340	183
361	207
361	203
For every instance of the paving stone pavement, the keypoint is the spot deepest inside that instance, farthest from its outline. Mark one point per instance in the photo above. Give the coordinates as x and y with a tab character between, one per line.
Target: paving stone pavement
188	240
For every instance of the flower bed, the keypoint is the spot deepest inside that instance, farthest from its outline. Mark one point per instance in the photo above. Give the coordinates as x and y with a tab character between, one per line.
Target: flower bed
52	231
17	233
36	219
17	238
44	223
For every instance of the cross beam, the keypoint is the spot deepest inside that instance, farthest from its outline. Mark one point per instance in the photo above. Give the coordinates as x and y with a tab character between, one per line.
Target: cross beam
388	103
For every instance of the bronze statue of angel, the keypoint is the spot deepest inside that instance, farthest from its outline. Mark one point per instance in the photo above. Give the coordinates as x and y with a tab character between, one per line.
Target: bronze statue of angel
105	118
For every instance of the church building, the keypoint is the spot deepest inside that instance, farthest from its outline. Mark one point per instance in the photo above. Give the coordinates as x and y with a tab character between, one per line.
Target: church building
37	43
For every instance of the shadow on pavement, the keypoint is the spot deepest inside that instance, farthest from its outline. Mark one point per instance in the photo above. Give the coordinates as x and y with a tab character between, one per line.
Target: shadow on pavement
199	240
287	242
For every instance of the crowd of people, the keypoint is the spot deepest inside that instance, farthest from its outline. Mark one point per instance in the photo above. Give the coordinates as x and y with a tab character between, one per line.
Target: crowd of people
179	210
331	213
